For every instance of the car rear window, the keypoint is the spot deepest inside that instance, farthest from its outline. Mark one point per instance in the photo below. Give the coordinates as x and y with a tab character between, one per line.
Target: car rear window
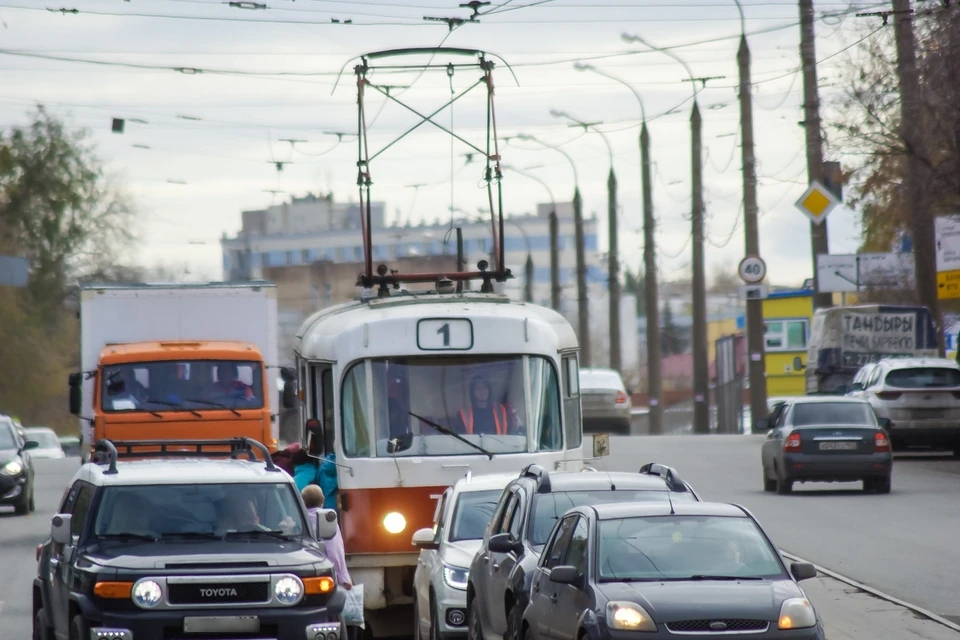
600	380
923	378
548	507
833	413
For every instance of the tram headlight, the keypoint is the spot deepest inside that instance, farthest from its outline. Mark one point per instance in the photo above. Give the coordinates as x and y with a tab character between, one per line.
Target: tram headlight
394	522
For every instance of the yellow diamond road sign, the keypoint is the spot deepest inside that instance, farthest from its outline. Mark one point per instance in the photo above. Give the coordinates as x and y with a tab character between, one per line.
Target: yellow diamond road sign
817	202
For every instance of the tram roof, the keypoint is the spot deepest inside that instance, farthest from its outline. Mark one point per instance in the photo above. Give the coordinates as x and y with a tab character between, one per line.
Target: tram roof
329	324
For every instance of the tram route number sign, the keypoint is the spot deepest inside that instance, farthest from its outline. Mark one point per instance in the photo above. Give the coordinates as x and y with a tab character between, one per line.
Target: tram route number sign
752	269
444	334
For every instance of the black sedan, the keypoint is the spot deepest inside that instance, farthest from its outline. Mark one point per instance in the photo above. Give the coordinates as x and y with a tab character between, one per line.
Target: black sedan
696	569
16	470
826	439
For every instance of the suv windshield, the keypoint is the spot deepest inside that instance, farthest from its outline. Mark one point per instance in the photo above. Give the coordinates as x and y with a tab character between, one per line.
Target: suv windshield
472	514
833	413
493	402
549	507
923	378
182	385
215	510
683	548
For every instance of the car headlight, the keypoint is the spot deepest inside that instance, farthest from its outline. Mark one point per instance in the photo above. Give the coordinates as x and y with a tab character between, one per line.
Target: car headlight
12	468
147	594
288	590
455	577
629	616
797	613
394	522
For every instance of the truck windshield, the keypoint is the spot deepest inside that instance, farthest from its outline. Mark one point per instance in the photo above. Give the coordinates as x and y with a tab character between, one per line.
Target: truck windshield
434	406
187	385
198	510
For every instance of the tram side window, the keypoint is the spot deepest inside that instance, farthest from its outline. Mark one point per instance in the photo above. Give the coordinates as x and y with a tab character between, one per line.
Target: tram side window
355	412
546	405
571	401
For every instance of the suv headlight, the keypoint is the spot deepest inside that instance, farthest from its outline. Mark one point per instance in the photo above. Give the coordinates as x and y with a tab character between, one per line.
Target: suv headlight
147	594
455	577
12	468
629	616
797	613
288	590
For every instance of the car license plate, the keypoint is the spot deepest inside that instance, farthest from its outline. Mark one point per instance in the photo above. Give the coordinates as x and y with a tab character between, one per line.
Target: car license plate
221	624
928	414
838	446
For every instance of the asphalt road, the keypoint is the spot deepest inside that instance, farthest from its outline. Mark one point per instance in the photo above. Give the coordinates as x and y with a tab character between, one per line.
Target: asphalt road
841	531
906	544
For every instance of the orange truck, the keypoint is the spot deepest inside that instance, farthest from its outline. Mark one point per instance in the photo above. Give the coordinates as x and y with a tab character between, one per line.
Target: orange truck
179	361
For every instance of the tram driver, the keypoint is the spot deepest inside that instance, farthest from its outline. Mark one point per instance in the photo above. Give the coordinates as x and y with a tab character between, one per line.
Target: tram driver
484	417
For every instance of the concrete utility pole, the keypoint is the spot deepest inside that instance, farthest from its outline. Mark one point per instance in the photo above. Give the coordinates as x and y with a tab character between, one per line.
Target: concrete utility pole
583	314
701	375
819	243
918	168
554	260
755	327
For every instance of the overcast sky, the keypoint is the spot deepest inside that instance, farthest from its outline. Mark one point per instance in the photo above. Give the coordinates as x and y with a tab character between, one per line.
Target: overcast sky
221	133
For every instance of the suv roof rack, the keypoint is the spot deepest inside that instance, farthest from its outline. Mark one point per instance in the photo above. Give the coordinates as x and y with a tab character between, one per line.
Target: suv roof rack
237	446
669	474
539	474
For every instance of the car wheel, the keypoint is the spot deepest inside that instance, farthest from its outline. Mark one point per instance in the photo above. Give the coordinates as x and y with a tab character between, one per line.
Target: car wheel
22	508
514	622
79	630
40	630
474	626
417	632
882	485
768	484
783	485
33	503
434	622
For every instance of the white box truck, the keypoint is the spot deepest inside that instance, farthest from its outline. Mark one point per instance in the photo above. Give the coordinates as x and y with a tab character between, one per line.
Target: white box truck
178	361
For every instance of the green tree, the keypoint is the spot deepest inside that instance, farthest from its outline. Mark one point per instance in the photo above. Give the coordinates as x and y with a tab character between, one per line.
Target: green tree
58	207
669	340
636	284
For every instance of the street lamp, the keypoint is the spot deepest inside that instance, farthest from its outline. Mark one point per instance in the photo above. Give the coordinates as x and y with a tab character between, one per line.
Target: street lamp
651	296
613	263
583	314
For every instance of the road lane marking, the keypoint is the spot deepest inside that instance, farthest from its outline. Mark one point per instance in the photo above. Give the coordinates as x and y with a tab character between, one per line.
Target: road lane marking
876	592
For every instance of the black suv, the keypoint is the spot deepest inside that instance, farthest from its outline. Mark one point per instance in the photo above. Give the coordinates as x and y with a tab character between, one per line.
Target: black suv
178	544
499	579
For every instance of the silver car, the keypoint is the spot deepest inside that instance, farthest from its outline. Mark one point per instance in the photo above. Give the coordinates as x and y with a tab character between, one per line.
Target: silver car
50	446
446	550
920	397
605	401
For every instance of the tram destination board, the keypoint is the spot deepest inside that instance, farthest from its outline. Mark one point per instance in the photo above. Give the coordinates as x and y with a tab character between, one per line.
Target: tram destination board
444	334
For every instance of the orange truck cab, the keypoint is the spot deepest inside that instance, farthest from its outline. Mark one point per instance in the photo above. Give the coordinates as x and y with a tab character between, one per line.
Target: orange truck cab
178	362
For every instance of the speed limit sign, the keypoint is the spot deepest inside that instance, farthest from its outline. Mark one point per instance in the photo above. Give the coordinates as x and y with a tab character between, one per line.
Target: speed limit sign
752	269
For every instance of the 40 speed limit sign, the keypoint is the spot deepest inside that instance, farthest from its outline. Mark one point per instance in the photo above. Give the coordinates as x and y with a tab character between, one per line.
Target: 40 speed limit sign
752	269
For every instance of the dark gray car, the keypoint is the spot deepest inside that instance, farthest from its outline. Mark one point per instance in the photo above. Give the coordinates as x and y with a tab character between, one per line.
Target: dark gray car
826	439
16	469
658	570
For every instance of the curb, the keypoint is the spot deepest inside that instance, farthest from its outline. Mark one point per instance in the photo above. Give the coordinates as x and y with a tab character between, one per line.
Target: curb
877	593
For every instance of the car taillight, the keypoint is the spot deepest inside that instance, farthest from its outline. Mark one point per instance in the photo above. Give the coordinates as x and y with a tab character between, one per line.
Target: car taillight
880	442
888	395
622	397
792	442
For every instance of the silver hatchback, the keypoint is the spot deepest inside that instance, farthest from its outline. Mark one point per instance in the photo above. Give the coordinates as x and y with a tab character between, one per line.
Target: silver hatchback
605	401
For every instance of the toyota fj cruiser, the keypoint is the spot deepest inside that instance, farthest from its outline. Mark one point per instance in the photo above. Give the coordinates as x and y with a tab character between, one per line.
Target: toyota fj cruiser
177	545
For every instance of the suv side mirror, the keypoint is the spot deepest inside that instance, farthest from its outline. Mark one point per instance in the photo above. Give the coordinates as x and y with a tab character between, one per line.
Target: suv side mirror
803	571
401	443
564	574
30	444
425	539
505	543
76	393
885	423
289	396
60	531
325	521
761	425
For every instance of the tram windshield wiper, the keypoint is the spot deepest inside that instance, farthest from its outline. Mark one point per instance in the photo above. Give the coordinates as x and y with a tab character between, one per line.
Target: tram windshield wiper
433	424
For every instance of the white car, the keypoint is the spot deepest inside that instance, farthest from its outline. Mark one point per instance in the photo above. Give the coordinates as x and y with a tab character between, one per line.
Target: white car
50	446
446	551
917	400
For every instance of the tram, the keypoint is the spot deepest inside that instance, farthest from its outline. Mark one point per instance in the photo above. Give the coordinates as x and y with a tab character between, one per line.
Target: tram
394	382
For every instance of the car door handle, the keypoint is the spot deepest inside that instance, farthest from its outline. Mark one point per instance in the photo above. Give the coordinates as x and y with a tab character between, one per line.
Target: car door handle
553	598
496	566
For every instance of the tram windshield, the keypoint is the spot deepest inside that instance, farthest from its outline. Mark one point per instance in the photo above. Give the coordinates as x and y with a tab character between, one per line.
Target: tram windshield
440	406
